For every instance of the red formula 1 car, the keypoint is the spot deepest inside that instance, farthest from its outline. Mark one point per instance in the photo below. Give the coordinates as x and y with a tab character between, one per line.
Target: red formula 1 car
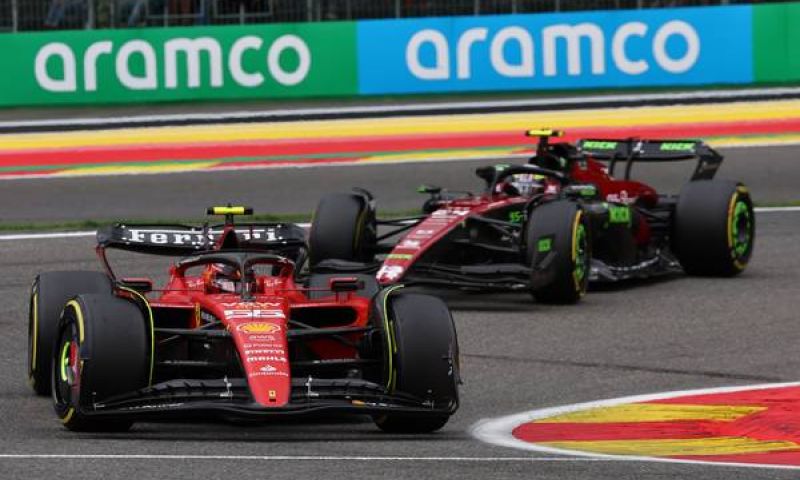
235	334
551	225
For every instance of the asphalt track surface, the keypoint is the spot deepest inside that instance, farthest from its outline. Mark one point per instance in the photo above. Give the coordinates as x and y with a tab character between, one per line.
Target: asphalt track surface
772	173
671	334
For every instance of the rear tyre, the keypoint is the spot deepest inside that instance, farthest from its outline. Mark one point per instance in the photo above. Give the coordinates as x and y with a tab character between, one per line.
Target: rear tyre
343	228
103	349
49	294
714	228
559	252
425	363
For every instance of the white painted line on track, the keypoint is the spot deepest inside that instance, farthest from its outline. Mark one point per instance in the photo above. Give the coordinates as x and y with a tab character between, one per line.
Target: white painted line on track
40	236
312	458
497	431
581	101
51	235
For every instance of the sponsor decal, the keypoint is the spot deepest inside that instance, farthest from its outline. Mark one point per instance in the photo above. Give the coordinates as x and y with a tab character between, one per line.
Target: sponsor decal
599	145
265	351
400	256
243	305
194	239
677	146
267	368
571	50
265	358
258	327
544	245
263	338
621	197
276	373
390	272
244	314
423	233
410	244
619	214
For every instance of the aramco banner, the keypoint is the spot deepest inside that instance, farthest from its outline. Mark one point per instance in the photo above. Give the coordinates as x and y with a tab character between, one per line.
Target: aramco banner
203	63
579	50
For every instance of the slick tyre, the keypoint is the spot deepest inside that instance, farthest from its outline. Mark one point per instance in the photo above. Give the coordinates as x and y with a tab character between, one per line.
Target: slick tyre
103	349
49	294
425	364
343	228
714	228
558	249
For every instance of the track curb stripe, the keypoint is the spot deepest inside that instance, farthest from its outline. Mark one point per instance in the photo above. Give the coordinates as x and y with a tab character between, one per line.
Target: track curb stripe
762	444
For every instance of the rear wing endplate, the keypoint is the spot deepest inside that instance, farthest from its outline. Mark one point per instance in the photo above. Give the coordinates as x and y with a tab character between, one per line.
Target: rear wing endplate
632	150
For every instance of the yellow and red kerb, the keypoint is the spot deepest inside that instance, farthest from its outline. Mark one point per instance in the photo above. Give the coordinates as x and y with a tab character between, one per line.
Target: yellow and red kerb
760	426
396	139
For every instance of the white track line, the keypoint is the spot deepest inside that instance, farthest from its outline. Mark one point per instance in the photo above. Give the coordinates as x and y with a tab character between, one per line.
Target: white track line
583	101
497	431
304	458
87	233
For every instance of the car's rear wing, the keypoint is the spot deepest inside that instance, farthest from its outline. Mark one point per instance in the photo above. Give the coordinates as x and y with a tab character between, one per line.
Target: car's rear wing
177	240
632	150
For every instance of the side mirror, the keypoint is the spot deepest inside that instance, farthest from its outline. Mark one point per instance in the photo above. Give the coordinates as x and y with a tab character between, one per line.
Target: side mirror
141	285
345	284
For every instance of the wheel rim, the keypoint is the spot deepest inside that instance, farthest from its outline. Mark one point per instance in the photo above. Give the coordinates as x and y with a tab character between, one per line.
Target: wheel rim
740	229
579	254
66	371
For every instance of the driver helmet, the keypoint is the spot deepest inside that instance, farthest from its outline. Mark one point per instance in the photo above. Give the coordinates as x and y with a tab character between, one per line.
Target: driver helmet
527	184
225	278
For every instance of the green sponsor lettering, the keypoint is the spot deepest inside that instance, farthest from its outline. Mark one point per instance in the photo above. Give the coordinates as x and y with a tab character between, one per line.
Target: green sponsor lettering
619	214
677	146
400	256
515	217
600	145
544	245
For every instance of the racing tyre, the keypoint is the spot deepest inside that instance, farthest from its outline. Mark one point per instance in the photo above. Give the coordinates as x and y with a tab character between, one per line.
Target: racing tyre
49	294
103	349
558	251
425	362
343	228
714	228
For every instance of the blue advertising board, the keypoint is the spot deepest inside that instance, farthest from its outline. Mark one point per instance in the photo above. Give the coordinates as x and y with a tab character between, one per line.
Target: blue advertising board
683	46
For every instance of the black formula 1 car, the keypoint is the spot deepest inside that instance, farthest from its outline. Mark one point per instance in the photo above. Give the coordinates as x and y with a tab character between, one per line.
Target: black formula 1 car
551	225
234	334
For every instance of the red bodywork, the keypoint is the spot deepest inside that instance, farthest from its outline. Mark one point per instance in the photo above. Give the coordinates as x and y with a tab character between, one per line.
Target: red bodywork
453	212
259	324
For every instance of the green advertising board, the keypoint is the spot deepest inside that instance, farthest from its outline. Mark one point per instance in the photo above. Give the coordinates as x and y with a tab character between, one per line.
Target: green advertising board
776	42
197	63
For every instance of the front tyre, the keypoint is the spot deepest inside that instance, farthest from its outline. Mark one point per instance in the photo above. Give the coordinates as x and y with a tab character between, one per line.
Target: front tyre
425	363
558	251
103	349
714	228
343	228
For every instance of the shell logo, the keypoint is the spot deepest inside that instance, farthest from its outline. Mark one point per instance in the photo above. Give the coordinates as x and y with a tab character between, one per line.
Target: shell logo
258	327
